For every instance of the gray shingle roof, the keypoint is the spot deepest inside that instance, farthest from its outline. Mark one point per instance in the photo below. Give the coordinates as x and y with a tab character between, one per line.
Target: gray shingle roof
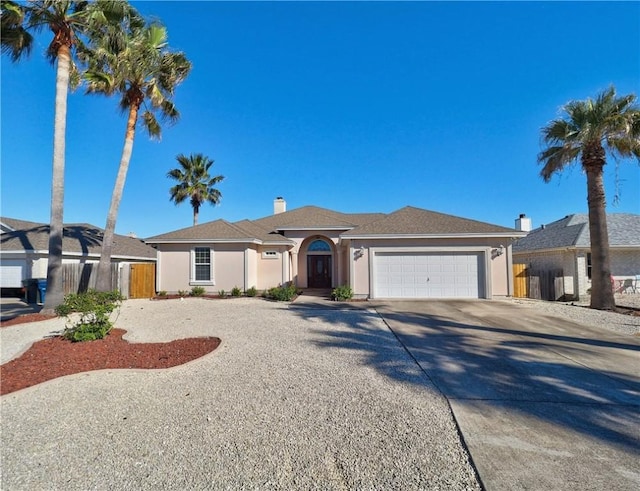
573	231
221	230
416	221
406	221
80	238
315	217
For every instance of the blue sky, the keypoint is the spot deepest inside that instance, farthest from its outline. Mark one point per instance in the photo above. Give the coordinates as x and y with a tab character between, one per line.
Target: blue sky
352	106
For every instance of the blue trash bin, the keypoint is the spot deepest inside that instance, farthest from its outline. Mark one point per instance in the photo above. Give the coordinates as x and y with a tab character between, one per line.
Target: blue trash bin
42	289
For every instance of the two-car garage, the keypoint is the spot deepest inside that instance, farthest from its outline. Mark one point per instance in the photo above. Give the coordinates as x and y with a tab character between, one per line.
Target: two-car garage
429	274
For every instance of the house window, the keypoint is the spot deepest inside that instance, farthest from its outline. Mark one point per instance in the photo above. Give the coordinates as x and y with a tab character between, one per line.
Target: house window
589	265
202	265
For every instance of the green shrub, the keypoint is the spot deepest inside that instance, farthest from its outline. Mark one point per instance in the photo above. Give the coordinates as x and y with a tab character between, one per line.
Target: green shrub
182	293
89	301
89	328
236	292
342	293
94	309
162	293
282	293
251	292
222	294
197	291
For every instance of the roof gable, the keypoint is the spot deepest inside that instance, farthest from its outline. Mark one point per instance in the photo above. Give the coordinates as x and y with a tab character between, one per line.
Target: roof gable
209	231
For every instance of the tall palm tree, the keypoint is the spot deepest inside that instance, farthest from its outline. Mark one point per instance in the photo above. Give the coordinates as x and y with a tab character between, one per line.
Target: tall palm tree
139	67
68	20
194	182
590	130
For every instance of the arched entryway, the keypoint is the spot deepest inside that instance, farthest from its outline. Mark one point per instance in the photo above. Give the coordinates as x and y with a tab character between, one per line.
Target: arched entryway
319	264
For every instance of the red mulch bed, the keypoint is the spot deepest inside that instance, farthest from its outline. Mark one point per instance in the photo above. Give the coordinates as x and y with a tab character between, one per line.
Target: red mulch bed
21	319
56	357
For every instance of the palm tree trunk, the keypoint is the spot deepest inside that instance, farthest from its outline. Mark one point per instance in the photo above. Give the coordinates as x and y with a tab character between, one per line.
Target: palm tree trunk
196	210
55	294
103	283
601	290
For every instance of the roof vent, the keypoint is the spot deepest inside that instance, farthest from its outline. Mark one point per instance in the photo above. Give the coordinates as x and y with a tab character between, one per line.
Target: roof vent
523	223
279	205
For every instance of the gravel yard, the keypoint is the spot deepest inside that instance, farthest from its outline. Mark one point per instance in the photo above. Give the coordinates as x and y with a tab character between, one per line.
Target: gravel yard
579	312
292	399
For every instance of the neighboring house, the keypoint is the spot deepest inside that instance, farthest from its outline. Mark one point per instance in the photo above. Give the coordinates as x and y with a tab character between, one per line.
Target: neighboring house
565	245
410	253
24	249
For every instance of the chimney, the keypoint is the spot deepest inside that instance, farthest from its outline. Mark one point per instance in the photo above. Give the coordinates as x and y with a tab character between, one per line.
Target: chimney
523	223
279	205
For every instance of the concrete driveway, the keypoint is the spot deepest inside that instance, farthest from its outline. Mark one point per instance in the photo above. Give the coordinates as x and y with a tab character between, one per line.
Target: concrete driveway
542	402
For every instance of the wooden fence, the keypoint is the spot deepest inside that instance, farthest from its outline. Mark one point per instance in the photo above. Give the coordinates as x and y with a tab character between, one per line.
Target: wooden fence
538	284
546	284
135	280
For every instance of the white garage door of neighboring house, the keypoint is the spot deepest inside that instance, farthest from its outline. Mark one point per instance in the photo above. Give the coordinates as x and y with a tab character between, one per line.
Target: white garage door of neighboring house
11	273
428	275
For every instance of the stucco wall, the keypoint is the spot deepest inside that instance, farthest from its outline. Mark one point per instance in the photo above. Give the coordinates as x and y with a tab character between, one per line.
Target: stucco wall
174	267
270	270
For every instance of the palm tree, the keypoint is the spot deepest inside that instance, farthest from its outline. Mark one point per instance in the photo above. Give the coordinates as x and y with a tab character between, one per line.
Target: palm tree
144	72
588	131
194	182
67	20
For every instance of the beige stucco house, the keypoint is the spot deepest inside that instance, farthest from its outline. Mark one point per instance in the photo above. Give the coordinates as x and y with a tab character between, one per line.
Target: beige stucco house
410	253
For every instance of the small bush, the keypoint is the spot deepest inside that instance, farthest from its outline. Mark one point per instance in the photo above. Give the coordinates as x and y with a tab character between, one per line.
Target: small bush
342	293
162	293
222	294
94	308
197	291
236	292
89	301
282	293
88	329
251	292
182	293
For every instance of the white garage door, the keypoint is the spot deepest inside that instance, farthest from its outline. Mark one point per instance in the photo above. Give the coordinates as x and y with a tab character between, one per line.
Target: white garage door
428	275
11	273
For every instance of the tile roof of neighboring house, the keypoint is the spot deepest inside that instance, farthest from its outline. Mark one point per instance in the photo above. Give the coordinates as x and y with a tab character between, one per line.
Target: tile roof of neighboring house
573	231
416	221
79	238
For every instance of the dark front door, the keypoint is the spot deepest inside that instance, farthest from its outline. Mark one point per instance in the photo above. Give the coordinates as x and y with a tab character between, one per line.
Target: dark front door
319	271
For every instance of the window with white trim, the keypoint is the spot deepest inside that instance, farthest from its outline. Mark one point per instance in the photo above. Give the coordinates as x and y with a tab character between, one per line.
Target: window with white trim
201	261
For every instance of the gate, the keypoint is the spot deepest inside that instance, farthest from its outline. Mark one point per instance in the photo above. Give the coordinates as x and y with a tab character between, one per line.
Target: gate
142	280
520	281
